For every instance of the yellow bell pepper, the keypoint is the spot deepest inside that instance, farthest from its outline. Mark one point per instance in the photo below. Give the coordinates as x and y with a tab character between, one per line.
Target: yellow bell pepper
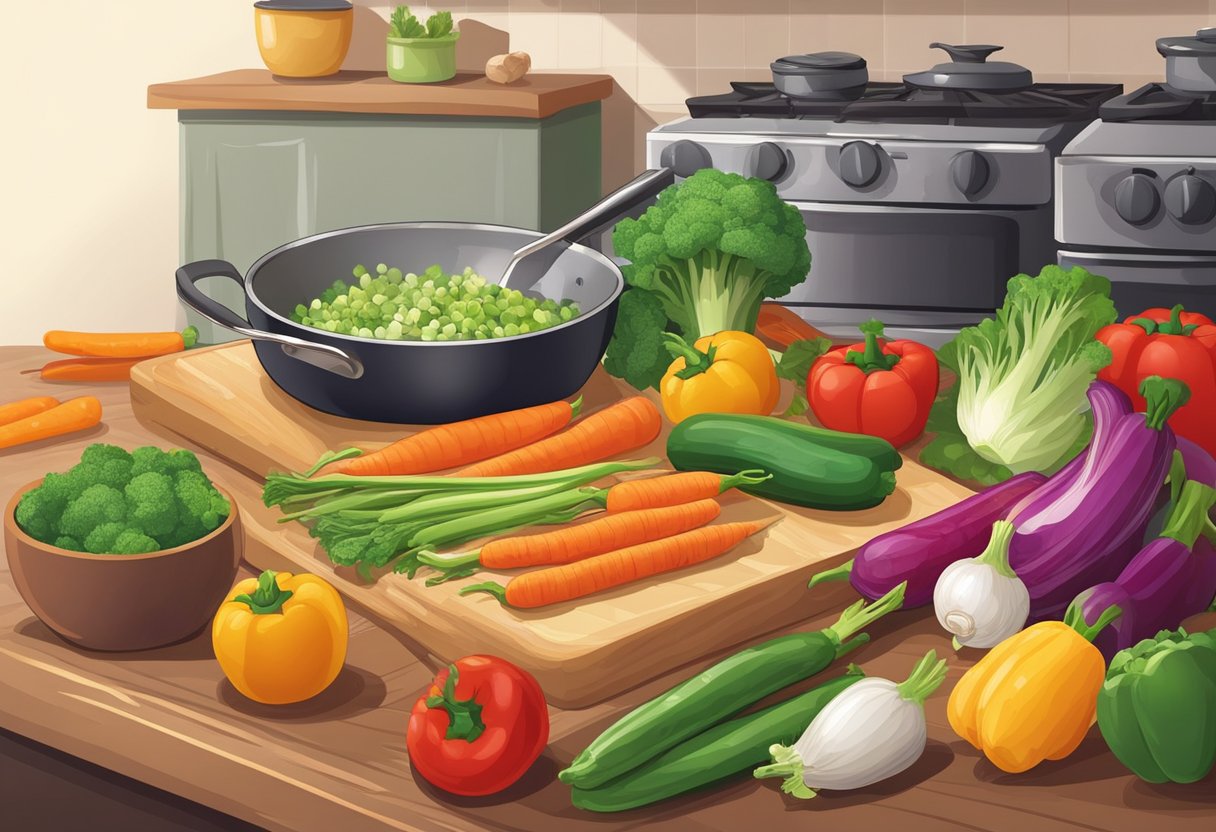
281	638
1032	698
730	372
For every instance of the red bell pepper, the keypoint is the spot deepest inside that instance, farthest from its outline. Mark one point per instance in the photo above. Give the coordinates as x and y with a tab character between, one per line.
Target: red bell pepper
479	727
880	389
1173	344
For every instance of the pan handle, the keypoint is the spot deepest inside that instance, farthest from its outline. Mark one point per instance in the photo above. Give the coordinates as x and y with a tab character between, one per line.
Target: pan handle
599	216
319	355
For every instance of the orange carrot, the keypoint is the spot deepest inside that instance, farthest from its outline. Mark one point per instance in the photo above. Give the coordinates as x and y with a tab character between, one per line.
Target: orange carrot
574	580
674	489
573	543
462	443
72	415
119	344
13	411
623	427
89	369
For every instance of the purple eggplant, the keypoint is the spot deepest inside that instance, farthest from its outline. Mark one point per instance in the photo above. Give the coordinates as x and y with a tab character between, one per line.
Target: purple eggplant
1087	533
918	552
1200	466
1171	578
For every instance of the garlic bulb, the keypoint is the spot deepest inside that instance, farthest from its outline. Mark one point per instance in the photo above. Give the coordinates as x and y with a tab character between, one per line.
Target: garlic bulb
873	730
981	600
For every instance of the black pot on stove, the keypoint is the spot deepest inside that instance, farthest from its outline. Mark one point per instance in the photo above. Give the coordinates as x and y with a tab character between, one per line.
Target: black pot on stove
971	70
821	76
1190	62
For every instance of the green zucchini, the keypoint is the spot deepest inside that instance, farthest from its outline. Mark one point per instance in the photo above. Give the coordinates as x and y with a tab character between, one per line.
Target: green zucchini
724	750
811	466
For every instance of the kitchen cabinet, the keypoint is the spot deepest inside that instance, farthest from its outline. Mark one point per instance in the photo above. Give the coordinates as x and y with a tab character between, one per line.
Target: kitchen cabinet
266	161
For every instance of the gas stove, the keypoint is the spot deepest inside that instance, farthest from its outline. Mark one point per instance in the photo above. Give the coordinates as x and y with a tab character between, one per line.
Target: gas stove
1136	190
921	199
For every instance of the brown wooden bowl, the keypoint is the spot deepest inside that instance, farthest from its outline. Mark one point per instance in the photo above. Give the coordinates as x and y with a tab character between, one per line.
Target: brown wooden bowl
124	602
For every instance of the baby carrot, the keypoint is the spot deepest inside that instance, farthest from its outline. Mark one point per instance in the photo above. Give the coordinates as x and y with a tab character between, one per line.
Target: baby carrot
574	580
119	344
624	426
72	415
674	489
89	369
462	443
13	411
573	543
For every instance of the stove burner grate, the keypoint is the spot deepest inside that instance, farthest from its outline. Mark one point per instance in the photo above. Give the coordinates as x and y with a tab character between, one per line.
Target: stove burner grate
901	102
1160	102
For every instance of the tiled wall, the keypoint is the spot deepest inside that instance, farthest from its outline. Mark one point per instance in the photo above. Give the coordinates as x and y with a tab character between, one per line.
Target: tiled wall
662	51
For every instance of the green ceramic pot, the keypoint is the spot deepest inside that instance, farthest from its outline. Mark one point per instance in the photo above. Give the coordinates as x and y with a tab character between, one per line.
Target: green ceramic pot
422	60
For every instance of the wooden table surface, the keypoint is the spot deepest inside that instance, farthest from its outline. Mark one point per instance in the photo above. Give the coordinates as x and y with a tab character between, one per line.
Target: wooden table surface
169	718
536	95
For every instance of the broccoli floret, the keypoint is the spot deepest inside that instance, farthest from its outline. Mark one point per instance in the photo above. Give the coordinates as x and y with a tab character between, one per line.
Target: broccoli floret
710	250
101	539
35	517
132	542
150	505
636	352
149	458
60	489
179	459
97	504
66	541
198	501
106	464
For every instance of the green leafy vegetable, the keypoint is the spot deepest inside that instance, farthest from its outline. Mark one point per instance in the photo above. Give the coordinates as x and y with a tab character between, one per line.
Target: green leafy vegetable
403	24
1019	403
795	364
709	251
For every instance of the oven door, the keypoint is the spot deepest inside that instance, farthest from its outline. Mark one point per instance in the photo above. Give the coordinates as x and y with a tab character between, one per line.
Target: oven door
1144	281
919	259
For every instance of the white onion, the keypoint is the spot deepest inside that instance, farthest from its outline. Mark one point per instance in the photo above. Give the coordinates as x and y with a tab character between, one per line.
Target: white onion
980	600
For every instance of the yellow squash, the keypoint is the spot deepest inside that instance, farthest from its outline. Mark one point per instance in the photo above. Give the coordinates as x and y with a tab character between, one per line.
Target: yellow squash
730	372
1032	698
280	637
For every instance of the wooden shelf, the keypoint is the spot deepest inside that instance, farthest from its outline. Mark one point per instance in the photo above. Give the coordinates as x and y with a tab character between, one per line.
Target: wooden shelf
538	95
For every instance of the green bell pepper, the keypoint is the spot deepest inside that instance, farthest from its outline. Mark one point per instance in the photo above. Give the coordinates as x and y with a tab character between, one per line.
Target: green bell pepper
1157	708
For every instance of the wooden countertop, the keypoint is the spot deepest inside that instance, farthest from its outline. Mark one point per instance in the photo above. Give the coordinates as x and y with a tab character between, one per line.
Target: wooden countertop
169	718
538	95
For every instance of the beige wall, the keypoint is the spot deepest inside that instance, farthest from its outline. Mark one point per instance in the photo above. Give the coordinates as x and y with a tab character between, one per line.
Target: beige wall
90	176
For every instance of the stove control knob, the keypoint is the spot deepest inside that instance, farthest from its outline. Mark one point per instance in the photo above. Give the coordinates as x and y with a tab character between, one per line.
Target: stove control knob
970	171
1190	200
860	164
685	158
1136	198
767	161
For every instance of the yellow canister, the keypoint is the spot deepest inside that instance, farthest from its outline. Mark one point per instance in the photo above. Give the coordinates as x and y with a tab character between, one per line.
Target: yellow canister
303	38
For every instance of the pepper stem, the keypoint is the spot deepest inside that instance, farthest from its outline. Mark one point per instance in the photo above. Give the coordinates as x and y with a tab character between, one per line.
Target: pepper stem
189	336
497	590
861	615
788	765
695	361
1075	618
268	598
1164	396
1189	517
840	573
925	678
1174	325
997	553
752	476
872	358
464	715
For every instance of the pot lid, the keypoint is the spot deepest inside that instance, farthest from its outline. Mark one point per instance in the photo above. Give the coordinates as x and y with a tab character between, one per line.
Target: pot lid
820	61
1202	43
970	70
303	5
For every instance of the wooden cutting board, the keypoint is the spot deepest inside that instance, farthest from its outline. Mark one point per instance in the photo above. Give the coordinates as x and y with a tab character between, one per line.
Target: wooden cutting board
581	652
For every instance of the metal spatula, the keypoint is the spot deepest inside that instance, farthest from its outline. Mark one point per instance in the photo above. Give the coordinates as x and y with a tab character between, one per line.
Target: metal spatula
530	263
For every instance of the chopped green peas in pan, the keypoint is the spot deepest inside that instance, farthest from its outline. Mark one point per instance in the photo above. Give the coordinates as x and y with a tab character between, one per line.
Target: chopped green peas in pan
432	306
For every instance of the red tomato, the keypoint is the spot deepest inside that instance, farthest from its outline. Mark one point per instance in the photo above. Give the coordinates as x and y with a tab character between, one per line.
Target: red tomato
479	727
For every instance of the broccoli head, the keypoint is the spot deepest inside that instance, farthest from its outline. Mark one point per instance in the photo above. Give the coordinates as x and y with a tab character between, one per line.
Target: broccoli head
101	540
97	504
66	541
133	542
636	352
201	508
710	250
179	459
36	517
149	458
150	505
106	464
